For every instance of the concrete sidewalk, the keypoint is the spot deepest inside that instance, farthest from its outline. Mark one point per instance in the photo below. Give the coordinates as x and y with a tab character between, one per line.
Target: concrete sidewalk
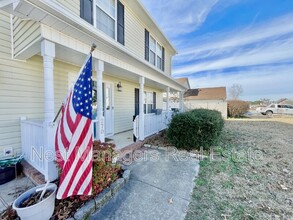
160	187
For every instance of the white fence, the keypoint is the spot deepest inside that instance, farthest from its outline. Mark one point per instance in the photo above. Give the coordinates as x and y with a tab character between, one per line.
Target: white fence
37	142
153	123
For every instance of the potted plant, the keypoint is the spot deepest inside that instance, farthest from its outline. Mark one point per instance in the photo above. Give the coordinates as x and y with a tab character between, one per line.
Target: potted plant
36	203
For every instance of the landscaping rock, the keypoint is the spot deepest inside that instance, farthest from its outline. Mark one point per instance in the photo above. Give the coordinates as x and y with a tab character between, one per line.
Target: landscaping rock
117	185
126	175
103	198
85	210
154	147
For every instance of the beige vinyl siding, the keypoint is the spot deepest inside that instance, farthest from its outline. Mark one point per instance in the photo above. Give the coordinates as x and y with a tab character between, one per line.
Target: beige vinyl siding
72	5
25	32
168	63
22	89
5	46
134	34
22	94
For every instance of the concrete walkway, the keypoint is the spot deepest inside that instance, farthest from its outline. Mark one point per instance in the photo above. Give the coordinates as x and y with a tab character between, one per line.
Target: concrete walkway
160	187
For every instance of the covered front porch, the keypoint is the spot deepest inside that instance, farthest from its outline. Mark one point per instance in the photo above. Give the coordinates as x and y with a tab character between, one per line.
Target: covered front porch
38	136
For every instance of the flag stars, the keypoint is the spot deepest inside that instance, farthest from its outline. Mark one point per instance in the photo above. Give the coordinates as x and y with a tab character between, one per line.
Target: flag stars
82	100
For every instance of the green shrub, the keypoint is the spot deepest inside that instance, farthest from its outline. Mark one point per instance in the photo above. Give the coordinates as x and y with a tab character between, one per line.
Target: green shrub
237	108
195	129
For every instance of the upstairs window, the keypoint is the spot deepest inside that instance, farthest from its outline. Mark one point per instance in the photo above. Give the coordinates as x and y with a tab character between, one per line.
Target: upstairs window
154	52
105	15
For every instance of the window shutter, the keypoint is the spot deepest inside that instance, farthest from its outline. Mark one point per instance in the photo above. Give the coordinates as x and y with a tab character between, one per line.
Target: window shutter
86	10
136	102
147	45
120	22
154	100
163	58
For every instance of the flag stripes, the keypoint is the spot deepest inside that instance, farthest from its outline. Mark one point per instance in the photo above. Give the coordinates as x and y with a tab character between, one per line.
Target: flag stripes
73	140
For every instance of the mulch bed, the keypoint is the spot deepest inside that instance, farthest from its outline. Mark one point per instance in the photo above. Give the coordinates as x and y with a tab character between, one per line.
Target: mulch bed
64	208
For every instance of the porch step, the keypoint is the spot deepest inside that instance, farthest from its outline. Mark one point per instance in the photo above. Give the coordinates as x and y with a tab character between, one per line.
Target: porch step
35	176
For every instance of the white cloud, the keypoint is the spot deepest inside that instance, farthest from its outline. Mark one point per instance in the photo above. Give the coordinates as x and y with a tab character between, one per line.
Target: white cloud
234	39
179	17
275	52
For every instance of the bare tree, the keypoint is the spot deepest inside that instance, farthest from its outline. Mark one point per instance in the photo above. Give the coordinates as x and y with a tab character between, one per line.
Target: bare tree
235	91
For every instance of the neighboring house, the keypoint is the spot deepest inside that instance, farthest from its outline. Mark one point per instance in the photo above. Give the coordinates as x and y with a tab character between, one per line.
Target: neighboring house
43	45
184	81
208	98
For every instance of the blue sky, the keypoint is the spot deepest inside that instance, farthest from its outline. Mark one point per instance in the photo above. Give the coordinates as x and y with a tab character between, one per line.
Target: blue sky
223	42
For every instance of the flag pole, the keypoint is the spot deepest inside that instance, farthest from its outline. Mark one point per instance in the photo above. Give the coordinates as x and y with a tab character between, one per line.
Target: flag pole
93	47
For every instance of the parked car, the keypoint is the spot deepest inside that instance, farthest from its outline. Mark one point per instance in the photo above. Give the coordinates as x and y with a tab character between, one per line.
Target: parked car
277	109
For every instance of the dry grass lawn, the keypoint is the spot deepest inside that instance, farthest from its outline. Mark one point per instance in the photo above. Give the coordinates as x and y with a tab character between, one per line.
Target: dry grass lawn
251	176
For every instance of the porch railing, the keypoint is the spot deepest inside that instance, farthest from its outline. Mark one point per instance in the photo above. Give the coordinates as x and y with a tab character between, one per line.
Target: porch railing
32	142
155	123
37	143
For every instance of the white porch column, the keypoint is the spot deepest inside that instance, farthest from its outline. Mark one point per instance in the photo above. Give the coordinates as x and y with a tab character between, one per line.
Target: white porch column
181	104
99	67
168	99
141	109
48	54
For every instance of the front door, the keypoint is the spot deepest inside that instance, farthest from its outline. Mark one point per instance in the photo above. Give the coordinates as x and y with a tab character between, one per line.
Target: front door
108	109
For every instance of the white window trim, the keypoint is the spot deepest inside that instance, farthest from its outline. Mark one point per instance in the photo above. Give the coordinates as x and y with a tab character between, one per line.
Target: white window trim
95	4
156	54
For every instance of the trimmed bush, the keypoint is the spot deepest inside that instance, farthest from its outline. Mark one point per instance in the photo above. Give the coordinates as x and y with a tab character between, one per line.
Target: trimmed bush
195	129
237	108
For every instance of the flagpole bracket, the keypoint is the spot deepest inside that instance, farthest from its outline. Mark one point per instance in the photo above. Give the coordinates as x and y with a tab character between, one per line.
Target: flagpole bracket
93	47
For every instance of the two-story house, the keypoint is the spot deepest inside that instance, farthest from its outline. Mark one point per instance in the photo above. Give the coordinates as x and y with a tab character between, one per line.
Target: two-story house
43	44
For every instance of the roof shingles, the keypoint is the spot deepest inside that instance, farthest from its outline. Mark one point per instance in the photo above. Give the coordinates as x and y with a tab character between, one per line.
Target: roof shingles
217	93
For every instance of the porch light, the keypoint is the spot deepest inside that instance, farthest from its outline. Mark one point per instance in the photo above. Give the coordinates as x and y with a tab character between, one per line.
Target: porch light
119	87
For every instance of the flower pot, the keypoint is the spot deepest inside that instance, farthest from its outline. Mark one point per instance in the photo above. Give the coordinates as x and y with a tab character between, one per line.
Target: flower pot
42	210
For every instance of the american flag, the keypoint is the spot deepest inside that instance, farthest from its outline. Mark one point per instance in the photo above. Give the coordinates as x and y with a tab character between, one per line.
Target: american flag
73	140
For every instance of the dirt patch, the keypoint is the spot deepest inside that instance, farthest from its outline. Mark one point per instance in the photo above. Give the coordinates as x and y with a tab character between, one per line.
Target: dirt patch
250	176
